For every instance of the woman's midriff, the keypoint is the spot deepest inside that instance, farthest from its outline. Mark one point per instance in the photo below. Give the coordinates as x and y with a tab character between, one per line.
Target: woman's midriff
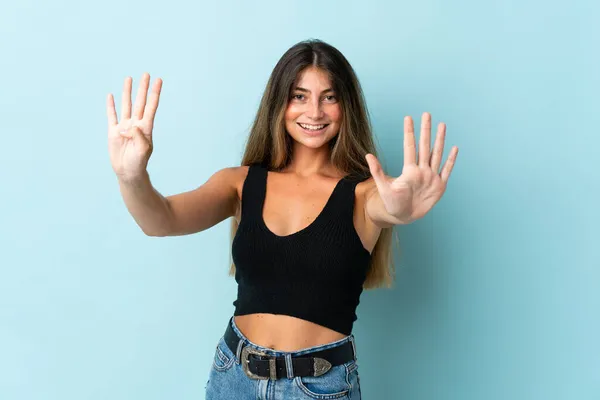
283	332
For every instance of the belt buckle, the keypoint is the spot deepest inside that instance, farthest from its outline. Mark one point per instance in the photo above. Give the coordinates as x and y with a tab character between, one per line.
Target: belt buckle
246	352
321	366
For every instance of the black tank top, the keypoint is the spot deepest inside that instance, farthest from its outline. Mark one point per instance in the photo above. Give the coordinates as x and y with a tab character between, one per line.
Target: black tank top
315	274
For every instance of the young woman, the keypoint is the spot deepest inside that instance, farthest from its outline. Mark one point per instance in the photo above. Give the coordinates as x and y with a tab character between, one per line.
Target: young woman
312	212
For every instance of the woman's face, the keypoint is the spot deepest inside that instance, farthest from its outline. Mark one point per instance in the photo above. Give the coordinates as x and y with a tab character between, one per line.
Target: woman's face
313	114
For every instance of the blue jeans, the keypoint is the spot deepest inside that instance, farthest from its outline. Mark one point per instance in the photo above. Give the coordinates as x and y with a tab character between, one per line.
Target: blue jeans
227	380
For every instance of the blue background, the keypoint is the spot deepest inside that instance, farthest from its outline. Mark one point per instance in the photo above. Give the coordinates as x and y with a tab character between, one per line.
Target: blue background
497	293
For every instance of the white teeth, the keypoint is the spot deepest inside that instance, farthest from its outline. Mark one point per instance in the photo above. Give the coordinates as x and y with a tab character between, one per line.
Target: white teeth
312	127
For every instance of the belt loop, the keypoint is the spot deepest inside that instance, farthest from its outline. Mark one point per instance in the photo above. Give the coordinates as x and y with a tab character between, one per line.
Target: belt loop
353	347
239	352
289	366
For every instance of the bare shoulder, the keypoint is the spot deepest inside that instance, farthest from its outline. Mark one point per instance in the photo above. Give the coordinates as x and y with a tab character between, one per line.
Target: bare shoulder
234	175
231	176
238	176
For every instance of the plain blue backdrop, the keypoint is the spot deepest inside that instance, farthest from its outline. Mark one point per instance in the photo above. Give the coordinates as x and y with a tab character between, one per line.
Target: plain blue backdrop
497	293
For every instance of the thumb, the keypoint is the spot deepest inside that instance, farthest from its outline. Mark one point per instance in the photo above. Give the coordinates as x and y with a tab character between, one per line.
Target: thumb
126	133
139	139
376	169
377	173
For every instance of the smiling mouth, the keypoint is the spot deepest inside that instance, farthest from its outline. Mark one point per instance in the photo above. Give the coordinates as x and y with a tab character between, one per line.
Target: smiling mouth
311	127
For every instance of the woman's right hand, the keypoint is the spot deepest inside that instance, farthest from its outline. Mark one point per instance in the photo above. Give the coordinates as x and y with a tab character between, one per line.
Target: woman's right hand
130	139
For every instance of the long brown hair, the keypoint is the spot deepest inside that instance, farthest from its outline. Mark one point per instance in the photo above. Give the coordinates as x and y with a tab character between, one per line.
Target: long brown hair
270	145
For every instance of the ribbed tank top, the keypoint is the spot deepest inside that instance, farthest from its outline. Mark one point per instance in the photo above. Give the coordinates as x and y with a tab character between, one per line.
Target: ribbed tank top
316	274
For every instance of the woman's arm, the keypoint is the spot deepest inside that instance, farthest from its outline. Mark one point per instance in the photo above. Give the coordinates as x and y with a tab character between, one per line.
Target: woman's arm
183	213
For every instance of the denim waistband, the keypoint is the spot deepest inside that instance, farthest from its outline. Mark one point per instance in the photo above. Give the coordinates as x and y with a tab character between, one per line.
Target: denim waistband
279	353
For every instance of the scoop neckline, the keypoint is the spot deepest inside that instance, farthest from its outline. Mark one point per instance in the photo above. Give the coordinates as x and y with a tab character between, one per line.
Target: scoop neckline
310	226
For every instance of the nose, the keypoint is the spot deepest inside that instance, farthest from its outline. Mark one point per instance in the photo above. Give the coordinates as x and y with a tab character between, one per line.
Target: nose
315	110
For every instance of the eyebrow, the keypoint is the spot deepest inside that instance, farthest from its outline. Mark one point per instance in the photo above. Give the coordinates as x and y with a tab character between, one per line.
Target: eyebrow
301	89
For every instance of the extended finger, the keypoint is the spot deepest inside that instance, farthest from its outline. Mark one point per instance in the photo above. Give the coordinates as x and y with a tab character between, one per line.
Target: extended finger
152	105
140	100
111	113
377	172
126	99
410	156
438	148
425	140
449	164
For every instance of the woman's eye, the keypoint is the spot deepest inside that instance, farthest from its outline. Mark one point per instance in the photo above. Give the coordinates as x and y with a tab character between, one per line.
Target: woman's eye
301	97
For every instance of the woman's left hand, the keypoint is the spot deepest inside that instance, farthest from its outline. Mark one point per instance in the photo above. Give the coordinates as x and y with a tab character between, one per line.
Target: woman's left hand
421	185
